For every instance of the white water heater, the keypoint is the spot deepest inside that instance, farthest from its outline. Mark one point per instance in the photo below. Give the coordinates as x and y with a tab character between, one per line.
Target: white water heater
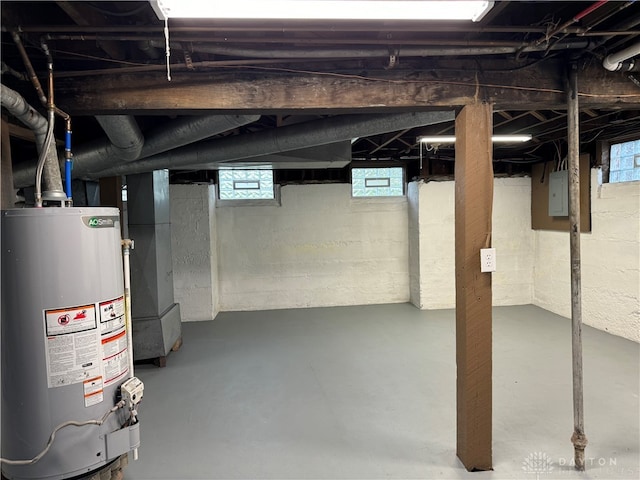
65	345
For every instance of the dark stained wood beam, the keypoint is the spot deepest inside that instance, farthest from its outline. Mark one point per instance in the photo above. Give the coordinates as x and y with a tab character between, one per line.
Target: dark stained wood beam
473	206
24	133
276	91
538	115
84	16
391	138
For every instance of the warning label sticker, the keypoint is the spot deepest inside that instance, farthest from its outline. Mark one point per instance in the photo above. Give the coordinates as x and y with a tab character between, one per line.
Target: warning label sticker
111	315
93	391
72	358
87	344
70	320
115	356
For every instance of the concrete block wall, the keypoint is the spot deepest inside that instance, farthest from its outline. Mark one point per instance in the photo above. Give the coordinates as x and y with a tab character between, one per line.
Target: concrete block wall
319	248
610	263
512	237
193	242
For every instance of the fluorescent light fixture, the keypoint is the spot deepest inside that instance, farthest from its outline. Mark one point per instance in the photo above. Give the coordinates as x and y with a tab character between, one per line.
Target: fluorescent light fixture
446	139
441	139
510	138
323	9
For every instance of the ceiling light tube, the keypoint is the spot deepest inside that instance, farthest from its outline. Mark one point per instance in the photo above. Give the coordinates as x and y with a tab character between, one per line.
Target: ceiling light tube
473	10
510	138
446	139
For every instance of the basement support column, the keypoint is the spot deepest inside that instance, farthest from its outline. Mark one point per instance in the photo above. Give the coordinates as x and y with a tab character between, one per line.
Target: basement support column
473	207
579	439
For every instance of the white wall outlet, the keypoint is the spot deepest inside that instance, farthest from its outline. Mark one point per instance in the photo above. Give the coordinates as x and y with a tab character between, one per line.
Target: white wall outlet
488	260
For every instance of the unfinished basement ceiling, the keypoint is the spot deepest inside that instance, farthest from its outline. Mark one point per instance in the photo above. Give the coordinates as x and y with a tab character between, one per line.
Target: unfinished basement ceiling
109	59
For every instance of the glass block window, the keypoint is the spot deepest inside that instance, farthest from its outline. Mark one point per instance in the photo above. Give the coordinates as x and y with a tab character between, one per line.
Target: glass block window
245	184
624	162
377	182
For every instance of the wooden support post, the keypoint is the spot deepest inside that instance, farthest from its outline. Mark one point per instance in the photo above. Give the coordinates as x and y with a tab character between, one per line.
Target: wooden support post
579	439
473	207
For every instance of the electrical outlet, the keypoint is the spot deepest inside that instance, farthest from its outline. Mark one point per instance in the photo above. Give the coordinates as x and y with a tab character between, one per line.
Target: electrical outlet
488	260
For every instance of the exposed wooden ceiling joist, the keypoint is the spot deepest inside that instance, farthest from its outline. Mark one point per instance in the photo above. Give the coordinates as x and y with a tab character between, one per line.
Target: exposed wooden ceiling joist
274	91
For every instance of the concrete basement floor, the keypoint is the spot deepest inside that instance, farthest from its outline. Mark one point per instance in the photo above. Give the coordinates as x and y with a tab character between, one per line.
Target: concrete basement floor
369	393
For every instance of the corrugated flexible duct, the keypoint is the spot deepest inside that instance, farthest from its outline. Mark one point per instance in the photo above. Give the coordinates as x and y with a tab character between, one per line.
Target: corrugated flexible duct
283	139
96	156
24	112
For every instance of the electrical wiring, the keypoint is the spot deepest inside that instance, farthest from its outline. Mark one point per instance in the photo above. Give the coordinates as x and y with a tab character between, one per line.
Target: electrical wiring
70	423
83	55
363	77
104	59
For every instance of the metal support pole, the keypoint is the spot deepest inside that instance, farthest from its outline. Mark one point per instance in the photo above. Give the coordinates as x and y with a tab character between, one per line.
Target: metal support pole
127	246
578	438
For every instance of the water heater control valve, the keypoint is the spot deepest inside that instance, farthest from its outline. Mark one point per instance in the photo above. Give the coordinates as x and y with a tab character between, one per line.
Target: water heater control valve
132	391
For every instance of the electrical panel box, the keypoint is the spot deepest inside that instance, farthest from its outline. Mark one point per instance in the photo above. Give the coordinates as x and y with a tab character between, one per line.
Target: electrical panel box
559	194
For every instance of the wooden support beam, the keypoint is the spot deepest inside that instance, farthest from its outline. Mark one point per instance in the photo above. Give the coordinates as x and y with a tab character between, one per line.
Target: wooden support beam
473	206
538	115
86	16
24	133
391	138
278	92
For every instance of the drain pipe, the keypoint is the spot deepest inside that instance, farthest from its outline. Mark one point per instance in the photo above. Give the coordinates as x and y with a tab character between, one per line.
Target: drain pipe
425	51
623	60
579	439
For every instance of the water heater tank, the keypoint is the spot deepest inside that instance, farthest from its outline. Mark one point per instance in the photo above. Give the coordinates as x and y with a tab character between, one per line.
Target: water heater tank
64	341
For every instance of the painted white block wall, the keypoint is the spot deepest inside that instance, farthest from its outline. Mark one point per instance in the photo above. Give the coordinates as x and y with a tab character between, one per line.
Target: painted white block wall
610	263
513	240
437	281
193	243
319	248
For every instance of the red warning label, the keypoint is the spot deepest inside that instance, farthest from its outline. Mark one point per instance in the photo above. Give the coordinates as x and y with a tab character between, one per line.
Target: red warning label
65	321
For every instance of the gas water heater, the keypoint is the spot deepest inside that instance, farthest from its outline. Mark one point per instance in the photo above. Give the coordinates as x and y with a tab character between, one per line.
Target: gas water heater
69	400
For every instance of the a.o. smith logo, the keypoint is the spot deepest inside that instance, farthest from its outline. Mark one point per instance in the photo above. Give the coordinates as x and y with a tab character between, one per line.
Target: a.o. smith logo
100	221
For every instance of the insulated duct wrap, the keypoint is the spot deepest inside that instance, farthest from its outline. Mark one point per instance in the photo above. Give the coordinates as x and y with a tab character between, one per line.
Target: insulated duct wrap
293	137
24	112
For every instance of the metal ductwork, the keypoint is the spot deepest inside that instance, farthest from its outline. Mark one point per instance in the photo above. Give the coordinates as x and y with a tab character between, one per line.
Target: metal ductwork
284	139
95	157
24	112
623	60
